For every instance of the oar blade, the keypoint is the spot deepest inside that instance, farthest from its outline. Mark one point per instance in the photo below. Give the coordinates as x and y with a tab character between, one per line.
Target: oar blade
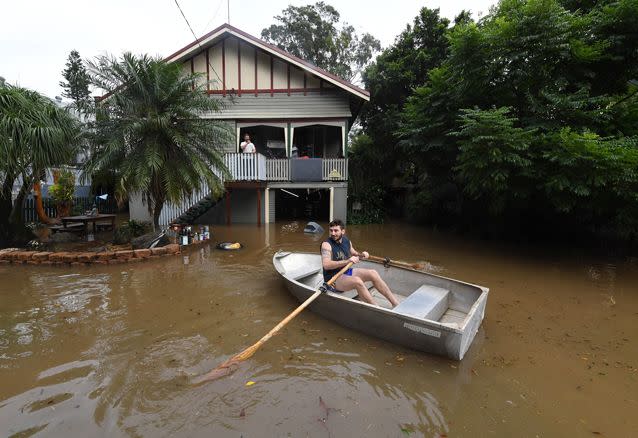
222	370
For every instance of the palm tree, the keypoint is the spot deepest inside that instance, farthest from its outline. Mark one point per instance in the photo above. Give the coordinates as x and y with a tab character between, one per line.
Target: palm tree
148	128
35	134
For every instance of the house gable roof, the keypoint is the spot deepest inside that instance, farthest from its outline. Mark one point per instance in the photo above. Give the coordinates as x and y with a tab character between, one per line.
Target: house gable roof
226	29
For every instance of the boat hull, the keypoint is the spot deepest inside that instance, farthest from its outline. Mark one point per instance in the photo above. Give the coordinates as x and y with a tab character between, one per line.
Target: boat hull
450	340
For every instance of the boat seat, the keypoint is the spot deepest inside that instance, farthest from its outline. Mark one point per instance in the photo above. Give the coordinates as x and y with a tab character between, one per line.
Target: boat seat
302	272
427	302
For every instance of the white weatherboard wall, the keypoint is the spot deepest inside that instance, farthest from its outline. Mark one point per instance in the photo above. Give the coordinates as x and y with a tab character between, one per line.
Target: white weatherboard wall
281	106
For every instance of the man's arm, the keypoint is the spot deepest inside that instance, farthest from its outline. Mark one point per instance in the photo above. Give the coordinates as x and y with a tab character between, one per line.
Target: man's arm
328	263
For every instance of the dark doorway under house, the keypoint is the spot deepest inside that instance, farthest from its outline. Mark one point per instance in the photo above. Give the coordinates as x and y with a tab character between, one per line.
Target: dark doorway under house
310	204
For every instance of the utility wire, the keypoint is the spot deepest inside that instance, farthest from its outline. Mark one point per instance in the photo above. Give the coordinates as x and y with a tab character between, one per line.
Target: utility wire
219	5
196	39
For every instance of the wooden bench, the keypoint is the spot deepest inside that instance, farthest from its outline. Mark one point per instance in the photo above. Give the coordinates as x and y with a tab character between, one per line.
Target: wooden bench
427	302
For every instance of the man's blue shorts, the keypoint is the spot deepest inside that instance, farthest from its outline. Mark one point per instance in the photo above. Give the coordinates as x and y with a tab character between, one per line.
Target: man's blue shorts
334	289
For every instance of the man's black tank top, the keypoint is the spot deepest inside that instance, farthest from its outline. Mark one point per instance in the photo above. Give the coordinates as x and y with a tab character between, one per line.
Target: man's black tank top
340	251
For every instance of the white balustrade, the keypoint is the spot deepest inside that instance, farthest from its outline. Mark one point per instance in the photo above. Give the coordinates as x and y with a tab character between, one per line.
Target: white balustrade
278	169
335	169
246	167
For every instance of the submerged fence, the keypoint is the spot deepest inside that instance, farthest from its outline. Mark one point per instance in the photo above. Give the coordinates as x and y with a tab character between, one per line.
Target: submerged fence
80	205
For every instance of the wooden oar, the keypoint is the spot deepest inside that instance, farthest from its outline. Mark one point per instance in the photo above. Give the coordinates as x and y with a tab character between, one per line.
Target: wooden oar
386	261
231	364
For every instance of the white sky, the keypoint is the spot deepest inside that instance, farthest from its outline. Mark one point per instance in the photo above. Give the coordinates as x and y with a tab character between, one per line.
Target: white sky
37	36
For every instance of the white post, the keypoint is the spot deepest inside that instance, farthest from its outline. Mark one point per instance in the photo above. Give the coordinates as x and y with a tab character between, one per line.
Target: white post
266	206
343	138
331	215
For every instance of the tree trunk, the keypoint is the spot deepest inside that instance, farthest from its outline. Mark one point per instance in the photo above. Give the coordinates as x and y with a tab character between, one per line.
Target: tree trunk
16	218
39	208
6	205
157	210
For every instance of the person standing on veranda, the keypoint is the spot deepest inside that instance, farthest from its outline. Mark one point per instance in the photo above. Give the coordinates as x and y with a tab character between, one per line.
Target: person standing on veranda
336	252
247	146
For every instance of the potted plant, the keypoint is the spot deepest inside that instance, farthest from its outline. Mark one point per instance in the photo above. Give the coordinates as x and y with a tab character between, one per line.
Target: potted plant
62	192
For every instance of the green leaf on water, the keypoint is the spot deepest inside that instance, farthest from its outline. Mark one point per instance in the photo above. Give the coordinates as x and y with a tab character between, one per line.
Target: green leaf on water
407	431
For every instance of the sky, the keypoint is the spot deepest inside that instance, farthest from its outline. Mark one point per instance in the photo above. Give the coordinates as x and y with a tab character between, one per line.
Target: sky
37	36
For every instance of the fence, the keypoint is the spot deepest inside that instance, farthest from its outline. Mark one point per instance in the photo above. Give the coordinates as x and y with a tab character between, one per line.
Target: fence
278	169
80	205
246	167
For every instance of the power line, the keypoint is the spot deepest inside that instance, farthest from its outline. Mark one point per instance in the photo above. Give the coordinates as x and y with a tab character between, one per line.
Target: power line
219	5
196	39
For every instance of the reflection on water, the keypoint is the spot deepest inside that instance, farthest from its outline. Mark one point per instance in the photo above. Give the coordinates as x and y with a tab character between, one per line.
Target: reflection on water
112	350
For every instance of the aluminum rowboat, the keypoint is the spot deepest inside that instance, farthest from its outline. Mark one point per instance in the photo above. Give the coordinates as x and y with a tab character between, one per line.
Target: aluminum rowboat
435	314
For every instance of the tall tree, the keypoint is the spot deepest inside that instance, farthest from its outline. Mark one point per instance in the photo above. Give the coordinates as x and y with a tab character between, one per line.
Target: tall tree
35	135
76	86
405	65
313	33
149	129
564	74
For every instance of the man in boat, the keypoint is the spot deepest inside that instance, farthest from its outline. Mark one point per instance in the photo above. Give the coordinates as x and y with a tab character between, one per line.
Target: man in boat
337	252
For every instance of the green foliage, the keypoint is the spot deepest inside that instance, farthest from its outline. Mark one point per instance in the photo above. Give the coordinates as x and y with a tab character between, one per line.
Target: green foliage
77	82
149	130
34	135
312	33
64	189
129	230
584	171
493	161
530	113
367	178
367	205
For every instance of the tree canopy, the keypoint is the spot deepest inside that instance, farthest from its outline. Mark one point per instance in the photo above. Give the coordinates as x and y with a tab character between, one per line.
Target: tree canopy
76	86
529	113
314	33
35	134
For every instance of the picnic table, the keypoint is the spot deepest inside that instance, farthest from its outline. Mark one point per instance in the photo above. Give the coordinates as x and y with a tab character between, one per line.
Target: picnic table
85	220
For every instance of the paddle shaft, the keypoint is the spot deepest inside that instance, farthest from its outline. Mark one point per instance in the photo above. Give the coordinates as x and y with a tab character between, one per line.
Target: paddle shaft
395	263
248	352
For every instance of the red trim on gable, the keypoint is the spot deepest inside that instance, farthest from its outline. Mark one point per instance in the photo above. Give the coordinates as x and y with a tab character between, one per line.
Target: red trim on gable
239	68
272	79
207	70
224	66
193	69
267	90
256	83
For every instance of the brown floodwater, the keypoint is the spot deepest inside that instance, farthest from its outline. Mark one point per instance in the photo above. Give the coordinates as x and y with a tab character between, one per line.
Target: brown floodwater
111	351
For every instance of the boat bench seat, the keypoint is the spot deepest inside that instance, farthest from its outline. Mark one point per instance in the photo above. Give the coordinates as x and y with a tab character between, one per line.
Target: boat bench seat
302	272
428	302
